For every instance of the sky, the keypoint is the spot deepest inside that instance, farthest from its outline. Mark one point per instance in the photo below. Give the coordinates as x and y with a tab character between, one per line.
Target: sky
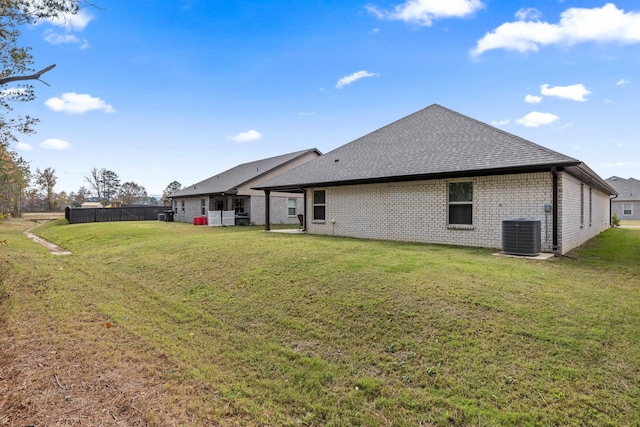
163	91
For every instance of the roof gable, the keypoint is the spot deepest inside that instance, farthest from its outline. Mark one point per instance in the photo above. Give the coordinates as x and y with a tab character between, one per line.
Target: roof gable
229	180
431	142
627	189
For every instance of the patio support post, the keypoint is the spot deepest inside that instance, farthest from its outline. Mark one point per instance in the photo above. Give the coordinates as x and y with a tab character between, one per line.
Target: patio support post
267	210
304	209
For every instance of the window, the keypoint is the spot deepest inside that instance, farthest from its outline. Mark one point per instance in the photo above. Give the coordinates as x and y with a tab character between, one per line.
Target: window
203	207
319	205
581	205
461	203
627	209
182	206
291	207
590	208
238	206
175	206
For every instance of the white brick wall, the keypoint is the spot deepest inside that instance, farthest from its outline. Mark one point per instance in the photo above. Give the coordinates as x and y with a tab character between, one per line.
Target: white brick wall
573	230
417	211
191	208
278	209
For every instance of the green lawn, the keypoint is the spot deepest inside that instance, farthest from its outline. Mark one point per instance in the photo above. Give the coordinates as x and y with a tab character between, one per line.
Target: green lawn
241	327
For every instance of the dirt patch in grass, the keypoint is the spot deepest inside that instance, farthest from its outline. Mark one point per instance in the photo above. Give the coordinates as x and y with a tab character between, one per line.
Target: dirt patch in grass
43	383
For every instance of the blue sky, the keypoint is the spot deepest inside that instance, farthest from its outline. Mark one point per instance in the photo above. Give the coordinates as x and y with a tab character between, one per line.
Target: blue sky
158	91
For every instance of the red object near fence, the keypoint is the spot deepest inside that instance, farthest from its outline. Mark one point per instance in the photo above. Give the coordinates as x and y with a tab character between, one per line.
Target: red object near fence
200	220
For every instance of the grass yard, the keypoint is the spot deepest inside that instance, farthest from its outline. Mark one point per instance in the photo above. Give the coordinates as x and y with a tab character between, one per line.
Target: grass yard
153	323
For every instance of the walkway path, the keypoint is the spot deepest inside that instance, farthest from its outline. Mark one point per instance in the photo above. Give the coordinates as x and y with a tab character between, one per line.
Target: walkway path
52	247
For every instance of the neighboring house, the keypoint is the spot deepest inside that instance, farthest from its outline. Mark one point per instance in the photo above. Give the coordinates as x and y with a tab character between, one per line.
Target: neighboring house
437	176
627	204
231	191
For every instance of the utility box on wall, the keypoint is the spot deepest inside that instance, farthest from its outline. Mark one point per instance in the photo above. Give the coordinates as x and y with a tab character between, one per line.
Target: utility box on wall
521	237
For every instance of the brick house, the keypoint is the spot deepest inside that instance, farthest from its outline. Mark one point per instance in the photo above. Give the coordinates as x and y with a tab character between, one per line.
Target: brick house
231	191
627	204
437	176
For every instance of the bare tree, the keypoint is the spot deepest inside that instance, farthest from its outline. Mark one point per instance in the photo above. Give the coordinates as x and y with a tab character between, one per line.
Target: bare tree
95	182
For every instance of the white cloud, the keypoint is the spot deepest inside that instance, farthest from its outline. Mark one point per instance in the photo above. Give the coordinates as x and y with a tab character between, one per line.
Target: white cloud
568	125
347	80
577	25
535	119
55	144
54	38
622	82
533	99
424	12
72	22
13	92
250	135
69	23
21	146
575	92
528	14
78	103
501	122
622	164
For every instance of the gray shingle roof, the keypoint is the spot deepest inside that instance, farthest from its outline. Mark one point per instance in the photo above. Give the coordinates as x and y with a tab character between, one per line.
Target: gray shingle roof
228	181
431	142
628	189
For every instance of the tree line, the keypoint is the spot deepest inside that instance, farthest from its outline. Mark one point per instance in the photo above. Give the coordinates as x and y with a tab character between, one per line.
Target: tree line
103	186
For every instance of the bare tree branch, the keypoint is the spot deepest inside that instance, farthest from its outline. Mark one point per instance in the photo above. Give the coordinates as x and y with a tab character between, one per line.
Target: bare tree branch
35	76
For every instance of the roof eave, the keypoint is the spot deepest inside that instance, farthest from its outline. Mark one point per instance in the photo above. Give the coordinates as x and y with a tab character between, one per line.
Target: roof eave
584	173
429	176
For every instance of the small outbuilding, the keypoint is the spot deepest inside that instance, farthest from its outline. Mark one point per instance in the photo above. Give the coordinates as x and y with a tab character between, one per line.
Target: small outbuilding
91	205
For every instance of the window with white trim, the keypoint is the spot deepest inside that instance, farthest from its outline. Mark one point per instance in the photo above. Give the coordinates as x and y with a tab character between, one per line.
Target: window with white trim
319	207
291	207
203	206
182	206
627	209
460	203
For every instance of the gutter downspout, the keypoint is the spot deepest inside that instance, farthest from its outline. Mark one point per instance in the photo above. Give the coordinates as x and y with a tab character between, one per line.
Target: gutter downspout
611	208
554	174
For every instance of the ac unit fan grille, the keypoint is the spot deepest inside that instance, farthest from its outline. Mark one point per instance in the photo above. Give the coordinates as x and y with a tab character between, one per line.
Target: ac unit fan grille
521	237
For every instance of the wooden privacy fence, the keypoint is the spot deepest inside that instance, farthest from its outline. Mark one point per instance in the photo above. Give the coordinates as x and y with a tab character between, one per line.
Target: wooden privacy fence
127	213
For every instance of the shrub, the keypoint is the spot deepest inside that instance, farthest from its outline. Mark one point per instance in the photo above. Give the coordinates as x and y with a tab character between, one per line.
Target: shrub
615	221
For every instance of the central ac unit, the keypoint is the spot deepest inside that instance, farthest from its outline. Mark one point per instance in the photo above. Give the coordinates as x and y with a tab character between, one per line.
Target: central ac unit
521	237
